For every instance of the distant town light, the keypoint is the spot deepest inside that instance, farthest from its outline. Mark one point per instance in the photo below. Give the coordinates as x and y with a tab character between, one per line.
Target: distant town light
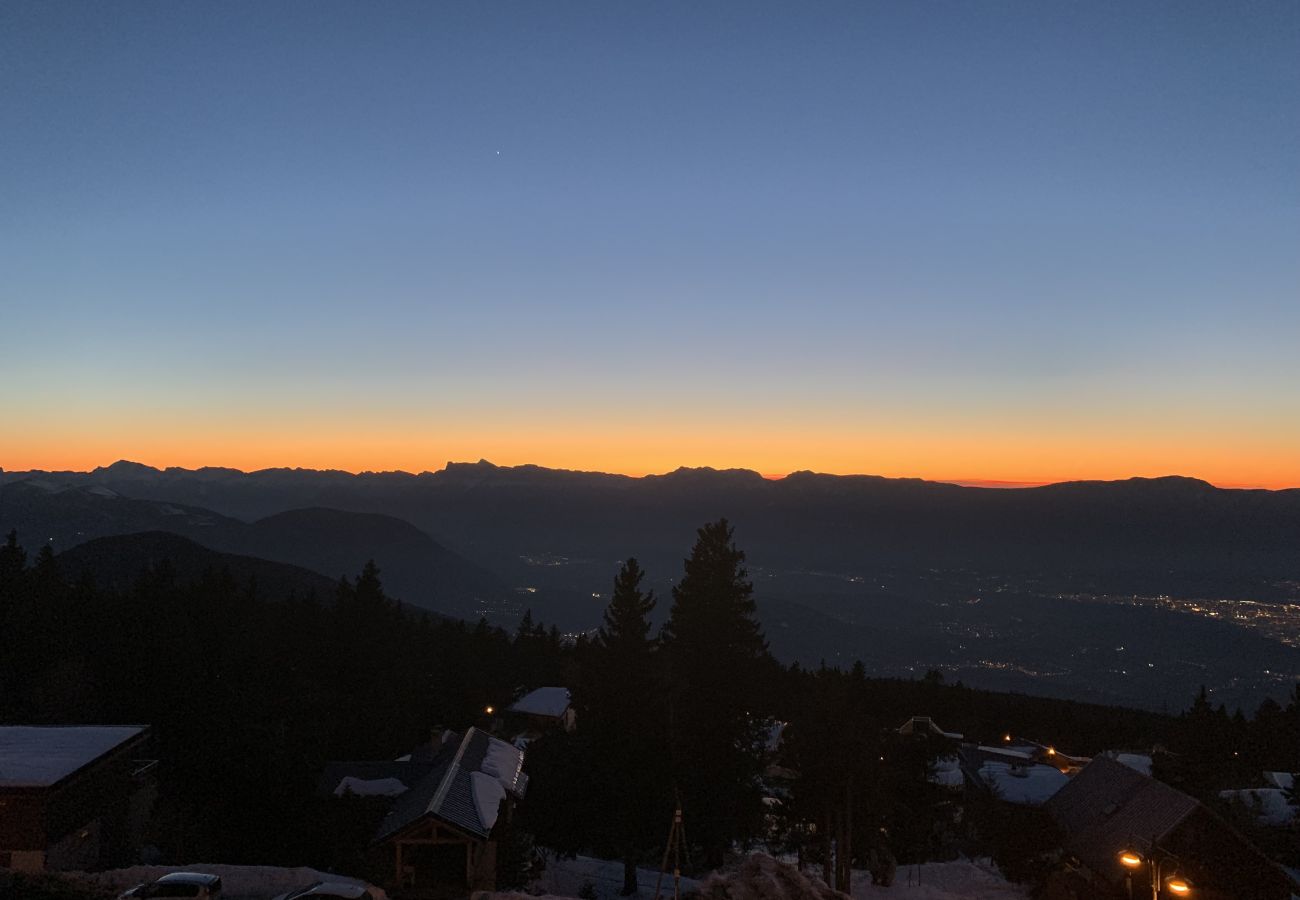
1051	751
489	710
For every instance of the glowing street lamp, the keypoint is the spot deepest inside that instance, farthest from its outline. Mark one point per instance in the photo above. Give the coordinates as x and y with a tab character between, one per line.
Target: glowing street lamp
1174	883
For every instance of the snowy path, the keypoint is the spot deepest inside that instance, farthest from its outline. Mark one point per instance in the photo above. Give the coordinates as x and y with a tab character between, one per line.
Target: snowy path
957	880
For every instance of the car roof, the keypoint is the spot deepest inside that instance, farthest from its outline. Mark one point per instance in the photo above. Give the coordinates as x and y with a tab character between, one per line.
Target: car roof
188	878
335	889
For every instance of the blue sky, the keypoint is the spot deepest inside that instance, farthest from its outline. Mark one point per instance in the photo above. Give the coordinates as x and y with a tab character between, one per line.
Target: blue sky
884	228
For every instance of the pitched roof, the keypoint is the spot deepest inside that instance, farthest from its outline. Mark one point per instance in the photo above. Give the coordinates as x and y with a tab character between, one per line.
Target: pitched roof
44	755
545	701
453	794
1108	806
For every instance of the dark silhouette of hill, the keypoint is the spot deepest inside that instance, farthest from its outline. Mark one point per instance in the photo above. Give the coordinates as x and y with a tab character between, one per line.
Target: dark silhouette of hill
331	542
902	573
1139	535
115	562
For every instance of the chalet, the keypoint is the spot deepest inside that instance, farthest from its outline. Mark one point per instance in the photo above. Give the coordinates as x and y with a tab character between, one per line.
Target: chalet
542	710
448	805
70	796
1109	808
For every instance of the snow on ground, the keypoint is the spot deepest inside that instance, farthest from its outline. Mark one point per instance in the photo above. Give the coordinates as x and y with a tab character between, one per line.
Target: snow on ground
760	877
565	877
947	773
961	879
237	882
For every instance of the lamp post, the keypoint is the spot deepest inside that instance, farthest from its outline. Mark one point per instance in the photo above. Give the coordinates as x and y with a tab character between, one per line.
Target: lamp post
1174	883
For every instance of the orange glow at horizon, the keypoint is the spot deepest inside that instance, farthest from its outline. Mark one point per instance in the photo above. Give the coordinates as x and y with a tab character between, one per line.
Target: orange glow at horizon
987	460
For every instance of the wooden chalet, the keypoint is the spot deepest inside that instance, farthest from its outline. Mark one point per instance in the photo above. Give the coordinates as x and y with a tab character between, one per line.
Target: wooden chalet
71	797
450	806
544	709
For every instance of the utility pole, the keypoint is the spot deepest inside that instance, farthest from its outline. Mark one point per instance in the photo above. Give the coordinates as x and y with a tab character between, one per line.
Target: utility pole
676	838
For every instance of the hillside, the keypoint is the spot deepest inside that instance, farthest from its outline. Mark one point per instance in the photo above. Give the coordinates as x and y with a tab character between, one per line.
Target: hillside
115	562
332	543
1170	535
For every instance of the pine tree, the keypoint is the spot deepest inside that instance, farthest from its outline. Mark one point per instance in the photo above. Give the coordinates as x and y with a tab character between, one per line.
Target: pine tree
525	629
624	720
716	658
13	559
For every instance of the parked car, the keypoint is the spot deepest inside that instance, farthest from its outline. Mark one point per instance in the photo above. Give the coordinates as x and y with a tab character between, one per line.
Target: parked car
177	884
329	890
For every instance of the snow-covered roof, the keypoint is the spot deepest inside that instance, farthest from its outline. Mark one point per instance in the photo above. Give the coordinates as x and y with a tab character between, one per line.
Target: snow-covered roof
551	702
468	791
1138	762
369	787
1269	806
1006	751
1283	780
1030	785
44	755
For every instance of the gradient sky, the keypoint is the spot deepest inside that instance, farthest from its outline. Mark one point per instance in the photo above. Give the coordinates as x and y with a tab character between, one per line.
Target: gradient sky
997	240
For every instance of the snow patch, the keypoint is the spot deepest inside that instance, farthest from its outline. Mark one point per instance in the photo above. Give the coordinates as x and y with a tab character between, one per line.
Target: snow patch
961	879
947	773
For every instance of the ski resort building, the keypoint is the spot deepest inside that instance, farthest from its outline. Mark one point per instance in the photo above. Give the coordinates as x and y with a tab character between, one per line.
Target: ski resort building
545	709
1109	808
71	797
448	806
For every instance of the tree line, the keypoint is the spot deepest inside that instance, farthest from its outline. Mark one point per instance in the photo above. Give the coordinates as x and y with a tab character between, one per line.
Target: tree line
250	695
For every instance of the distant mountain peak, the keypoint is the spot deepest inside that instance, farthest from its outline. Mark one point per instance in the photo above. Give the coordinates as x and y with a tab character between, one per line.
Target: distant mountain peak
126	467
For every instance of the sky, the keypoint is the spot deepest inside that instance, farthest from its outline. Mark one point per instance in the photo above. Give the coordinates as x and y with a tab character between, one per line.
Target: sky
1020	241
